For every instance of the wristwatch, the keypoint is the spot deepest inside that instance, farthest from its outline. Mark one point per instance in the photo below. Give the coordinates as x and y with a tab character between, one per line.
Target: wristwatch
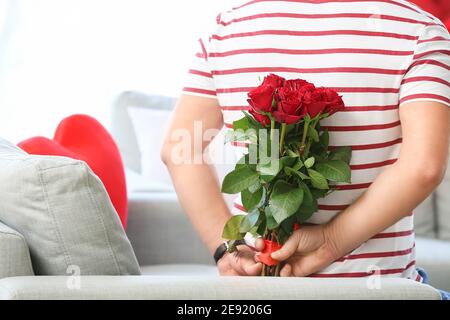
223	248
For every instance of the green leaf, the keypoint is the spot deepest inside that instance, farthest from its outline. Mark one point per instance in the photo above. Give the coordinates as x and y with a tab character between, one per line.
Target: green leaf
239	180
236	135
251	200
269	171
318	180
299	174
313	134
271	223
252	122
309	163
325	139
243	162
335	170
309	205
249	221
255	187
242	124
342	153
288	225
298	165
285	201
289	161
261	230
318	194
232	229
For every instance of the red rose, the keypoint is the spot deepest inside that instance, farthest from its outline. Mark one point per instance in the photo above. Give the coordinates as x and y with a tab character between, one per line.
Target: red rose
274	81
261	98
334	102
261	118
323	100
290	101
298	85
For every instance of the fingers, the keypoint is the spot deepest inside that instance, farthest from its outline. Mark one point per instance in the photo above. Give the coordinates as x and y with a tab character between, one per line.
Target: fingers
289	248
286	271
244	264
259	245
310	264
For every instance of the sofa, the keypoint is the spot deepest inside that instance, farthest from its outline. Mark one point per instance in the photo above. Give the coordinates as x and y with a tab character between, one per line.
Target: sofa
176	265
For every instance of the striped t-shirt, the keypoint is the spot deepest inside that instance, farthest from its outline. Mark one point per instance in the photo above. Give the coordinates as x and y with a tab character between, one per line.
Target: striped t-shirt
378	54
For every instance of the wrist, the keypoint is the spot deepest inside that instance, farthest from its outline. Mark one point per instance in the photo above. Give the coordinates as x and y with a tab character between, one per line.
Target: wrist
332	244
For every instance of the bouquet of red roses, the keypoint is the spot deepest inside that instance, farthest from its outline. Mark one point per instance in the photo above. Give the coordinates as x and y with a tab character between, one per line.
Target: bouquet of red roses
289	164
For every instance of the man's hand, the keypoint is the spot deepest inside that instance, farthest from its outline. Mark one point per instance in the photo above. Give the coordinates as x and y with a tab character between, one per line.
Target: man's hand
308	251
240	263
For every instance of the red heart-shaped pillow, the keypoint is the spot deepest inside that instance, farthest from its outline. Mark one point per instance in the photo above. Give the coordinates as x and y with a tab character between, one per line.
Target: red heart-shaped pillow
83	138
438	8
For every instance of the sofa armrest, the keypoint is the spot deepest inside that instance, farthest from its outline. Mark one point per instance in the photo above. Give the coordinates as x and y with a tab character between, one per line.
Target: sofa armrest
206	288
161	233
14	254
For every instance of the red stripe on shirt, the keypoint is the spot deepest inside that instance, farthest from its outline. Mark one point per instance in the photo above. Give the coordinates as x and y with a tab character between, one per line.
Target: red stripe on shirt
373	165
348	108
373	255
433	40
425	96
424	54
393	234
201	91
432	79
338	89
292	33
309	70
328	1
362	128
309	52
364	274
429	61
323	16
353	186
200	73
374	145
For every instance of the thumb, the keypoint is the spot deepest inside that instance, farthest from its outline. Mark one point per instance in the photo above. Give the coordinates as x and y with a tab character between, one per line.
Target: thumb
289	248
259	245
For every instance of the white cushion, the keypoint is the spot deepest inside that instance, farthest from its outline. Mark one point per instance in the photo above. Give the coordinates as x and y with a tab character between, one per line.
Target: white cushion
150	126
64	212
434	257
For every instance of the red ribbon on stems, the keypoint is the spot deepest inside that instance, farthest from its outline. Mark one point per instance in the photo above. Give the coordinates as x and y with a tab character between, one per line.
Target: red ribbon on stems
265	256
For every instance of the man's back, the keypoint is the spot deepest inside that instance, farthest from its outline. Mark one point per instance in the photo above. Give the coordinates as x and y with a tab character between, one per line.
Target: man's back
376	54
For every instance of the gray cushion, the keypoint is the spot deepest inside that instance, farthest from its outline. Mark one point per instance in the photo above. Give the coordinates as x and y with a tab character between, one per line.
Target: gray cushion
14	254
443	207
425	218
207	288
434	256
161	233
63	211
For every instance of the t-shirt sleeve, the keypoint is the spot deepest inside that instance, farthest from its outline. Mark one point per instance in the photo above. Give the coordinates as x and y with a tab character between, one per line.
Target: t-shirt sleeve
199	80
428	76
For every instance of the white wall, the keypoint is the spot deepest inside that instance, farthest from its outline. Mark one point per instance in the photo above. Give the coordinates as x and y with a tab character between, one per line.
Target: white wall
75	56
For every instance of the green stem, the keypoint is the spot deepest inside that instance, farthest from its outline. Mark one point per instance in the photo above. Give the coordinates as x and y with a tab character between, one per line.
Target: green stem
305	135
283	137
308	145
272	130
